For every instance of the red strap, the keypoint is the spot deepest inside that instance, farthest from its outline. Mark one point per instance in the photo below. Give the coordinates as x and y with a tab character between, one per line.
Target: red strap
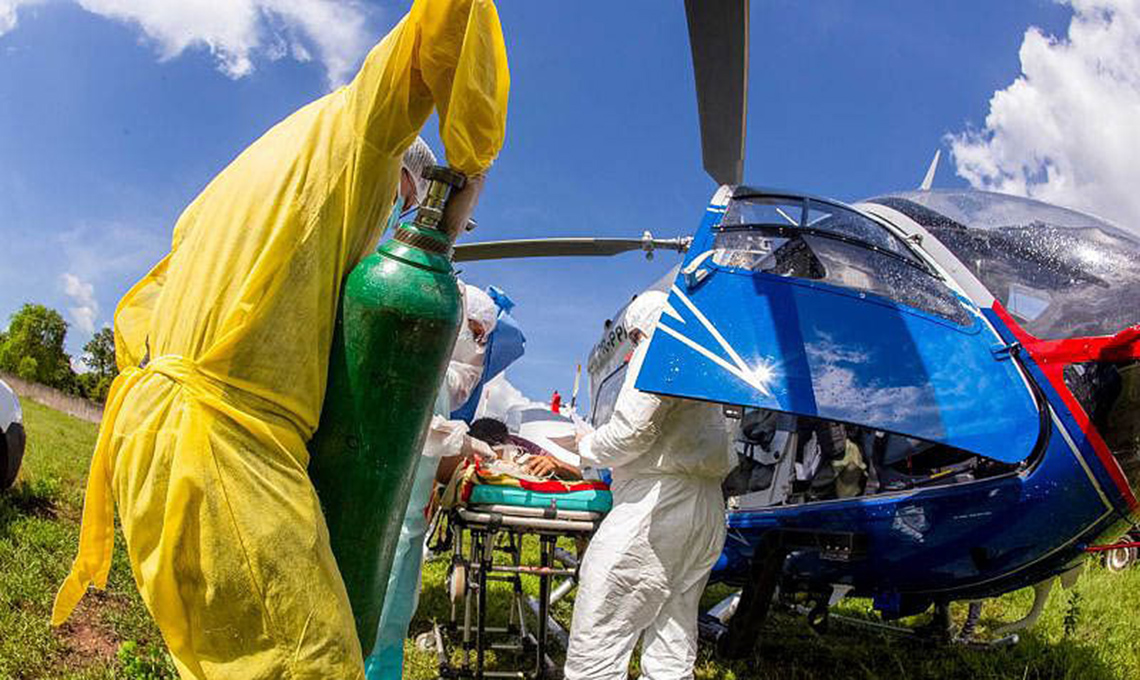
561	486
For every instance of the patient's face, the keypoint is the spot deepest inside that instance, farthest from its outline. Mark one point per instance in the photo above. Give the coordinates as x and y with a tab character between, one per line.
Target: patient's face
478	332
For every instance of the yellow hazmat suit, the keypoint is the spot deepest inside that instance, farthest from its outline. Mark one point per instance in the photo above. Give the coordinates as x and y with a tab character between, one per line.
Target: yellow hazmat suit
223	349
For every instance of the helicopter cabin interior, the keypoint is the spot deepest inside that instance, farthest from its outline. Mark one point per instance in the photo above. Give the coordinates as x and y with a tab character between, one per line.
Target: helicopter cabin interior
786	459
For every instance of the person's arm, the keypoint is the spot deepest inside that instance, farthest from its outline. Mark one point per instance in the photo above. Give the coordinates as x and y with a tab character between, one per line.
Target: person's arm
446	54
633	428
549	464
470	448
445	438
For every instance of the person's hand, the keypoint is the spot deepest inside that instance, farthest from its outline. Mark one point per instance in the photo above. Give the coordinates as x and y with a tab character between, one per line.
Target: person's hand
542	466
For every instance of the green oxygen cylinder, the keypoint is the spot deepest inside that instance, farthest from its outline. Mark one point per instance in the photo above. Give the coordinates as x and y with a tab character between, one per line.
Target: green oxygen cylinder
399	316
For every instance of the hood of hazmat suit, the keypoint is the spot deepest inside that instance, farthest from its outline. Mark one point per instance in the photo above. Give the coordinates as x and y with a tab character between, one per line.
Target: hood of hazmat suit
224	347
418	158
647	565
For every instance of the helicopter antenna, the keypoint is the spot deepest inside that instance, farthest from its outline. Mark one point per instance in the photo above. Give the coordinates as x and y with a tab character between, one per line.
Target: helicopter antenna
928	181
718	35
577	381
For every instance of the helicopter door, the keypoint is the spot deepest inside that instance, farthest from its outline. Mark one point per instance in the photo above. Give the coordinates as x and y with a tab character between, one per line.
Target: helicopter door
810	308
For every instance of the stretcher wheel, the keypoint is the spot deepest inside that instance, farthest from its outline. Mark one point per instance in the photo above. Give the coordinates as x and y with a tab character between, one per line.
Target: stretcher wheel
425	642
818	617
457	581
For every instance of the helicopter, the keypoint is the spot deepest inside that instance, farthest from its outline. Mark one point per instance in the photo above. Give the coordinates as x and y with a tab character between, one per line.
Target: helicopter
936	393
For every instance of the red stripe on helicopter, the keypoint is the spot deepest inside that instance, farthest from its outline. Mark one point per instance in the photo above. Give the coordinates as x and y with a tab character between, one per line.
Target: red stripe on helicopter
1051	356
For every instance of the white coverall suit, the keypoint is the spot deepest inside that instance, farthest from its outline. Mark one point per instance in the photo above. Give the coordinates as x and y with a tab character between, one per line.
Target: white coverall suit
648	563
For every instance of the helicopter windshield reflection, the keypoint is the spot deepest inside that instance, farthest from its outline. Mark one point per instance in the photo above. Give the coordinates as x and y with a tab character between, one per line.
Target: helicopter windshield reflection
1060	273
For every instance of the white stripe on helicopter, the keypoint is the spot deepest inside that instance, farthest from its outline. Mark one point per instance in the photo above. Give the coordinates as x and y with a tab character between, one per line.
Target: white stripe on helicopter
757	378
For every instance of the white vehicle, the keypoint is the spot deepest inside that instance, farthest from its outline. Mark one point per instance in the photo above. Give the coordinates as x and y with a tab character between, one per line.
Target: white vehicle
11	436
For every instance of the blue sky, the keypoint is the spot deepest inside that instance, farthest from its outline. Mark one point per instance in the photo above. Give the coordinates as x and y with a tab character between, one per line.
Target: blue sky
105	135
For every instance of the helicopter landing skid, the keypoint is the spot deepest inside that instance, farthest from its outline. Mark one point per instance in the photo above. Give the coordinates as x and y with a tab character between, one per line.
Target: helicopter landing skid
714	626
929	634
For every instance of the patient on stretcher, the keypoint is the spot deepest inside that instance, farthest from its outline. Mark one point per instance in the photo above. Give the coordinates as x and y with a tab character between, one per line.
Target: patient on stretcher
519	457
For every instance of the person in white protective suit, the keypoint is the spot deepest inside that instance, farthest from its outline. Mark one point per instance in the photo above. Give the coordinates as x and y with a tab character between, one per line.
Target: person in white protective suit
446	439
646	567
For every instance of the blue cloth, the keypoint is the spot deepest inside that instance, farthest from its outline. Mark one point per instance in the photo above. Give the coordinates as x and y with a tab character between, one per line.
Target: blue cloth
386	662
504	347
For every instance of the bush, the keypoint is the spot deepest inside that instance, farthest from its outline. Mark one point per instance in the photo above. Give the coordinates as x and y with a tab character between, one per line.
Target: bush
28	369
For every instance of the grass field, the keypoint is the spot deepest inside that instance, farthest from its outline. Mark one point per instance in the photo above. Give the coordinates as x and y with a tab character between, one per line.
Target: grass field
1088	633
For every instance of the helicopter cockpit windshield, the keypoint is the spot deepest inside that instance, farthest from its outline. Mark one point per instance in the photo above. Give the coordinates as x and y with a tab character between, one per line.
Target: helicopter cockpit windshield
1060	273
810	239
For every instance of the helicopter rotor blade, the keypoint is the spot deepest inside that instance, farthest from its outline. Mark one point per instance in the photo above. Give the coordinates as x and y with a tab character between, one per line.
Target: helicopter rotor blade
564	247
718	35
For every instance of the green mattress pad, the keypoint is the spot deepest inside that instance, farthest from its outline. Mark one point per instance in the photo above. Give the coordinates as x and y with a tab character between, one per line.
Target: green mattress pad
590	500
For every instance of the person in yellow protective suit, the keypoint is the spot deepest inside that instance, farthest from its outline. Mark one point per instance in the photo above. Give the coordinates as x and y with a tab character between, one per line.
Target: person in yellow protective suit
224	346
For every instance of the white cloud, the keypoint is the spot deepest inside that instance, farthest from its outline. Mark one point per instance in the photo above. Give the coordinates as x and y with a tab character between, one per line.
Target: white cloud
86	309
8	13
1066	130
240	32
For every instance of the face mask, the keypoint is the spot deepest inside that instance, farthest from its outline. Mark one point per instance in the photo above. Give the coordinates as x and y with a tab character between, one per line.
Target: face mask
394	217
465	368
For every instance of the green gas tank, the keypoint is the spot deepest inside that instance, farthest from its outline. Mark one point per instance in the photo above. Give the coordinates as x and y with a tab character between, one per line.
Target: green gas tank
399	316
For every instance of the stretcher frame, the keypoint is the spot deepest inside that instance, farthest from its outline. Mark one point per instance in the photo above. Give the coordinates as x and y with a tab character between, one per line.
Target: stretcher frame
502	529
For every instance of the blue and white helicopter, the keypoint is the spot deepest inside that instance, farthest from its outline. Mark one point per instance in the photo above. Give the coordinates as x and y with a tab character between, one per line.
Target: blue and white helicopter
937	393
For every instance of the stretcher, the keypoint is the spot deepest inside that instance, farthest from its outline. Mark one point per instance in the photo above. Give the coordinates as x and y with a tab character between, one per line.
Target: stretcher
488	533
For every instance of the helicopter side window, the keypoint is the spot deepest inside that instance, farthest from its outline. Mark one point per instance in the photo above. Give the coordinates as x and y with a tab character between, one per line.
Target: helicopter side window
832	245
606	398
1110	395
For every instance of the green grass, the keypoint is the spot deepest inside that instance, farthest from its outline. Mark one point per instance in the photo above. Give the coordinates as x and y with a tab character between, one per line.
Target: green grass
1087	633
111	635
1100	640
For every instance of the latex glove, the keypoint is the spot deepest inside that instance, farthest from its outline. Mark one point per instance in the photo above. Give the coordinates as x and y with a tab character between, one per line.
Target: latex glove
477	448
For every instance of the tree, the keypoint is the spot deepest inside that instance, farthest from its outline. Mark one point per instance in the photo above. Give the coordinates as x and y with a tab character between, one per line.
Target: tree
99	353
33	347
27	369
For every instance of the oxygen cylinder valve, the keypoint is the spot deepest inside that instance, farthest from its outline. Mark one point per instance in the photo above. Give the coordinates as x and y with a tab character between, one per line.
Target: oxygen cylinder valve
442	181
426	230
